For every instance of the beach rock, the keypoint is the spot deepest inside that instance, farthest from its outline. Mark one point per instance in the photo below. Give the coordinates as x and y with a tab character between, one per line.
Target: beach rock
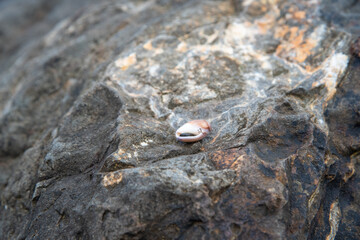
91	95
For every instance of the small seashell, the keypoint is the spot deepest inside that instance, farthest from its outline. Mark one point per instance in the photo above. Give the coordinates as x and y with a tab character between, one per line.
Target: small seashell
193	131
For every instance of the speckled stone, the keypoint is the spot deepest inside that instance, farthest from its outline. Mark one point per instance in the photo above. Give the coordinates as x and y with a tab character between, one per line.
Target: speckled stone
91	94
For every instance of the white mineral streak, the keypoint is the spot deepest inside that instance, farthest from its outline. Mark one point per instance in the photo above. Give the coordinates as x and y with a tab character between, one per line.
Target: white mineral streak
52	36
157	107
133	88
146	142
246	3
154	70
319	33
200	91
241	37
334	68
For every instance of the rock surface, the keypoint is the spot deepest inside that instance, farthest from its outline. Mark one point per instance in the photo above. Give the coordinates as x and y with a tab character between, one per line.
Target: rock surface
91	95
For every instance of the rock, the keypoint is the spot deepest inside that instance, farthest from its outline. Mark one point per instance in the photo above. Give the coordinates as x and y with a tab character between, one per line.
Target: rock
92	94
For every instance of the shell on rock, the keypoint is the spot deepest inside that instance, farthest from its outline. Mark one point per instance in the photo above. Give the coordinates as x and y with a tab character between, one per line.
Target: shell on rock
193	131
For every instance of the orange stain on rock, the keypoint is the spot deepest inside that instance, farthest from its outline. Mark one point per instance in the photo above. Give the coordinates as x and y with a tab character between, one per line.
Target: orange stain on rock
125	63
299	15
148	46
294	41
182	47
228	159
265	24
112	178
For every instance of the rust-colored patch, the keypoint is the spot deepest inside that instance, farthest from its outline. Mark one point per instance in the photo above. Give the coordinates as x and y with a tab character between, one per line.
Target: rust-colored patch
294	41
266	23
263	27
182	47
148	46
349	170
112	178
299	15
125	63
228	159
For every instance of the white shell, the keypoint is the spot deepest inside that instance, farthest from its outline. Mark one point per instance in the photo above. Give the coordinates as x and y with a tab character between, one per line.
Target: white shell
197	128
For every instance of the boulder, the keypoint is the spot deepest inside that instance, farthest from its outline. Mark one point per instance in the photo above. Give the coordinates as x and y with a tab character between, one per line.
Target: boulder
91	94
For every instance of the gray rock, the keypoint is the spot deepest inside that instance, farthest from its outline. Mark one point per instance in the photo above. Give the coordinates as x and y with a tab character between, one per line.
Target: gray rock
91	95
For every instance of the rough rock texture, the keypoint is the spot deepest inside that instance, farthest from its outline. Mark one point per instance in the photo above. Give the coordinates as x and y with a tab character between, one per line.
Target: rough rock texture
91	95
